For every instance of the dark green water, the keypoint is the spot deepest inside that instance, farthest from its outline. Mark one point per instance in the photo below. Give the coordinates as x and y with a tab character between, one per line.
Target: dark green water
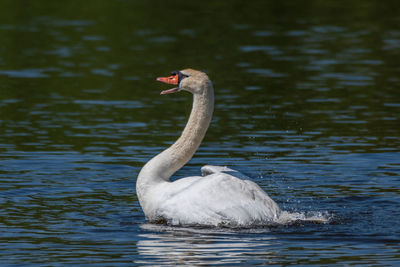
307	104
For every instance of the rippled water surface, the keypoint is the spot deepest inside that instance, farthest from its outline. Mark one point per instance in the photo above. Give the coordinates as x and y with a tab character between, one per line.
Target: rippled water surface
307	105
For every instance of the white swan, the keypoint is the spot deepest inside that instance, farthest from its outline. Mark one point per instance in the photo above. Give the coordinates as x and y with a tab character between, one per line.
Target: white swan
221	197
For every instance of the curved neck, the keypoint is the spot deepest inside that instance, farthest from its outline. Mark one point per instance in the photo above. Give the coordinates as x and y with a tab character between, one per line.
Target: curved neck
164	165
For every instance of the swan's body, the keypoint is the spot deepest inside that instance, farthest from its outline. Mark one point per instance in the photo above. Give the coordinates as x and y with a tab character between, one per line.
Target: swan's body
221	196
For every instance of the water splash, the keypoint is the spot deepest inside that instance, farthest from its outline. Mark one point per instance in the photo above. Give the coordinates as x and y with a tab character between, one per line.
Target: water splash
287	217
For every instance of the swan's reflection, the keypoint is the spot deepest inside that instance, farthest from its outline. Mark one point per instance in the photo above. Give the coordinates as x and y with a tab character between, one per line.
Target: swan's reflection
179	245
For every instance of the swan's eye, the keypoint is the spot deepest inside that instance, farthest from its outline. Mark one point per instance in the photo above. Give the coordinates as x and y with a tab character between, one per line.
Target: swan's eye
181	76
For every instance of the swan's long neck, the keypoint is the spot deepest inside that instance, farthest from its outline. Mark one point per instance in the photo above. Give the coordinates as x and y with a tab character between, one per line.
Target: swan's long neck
164	165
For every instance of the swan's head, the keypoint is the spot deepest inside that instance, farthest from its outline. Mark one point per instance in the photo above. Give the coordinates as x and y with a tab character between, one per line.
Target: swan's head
190	80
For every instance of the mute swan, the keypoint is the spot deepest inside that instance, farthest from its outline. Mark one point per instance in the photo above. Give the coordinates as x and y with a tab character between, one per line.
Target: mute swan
221	196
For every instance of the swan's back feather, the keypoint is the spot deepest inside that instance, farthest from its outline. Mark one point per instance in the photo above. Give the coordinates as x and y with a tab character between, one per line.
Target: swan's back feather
210	169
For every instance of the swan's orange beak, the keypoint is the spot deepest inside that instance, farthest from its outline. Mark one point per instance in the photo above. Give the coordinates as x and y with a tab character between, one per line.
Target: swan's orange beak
173	79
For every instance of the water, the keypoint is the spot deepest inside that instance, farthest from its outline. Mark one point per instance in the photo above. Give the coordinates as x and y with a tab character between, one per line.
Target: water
307	104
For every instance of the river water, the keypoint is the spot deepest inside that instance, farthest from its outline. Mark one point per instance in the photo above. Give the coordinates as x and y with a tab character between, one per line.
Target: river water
307	105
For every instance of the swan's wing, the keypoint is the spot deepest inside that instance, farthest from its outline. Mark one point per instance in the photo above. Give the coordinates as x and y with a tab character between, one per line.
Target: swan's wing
219	199
210	169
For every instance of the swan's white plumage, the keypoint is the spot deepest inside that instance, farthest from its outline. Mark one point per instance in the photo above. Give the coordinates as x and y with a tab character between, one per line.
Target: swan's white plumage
216	199
221	196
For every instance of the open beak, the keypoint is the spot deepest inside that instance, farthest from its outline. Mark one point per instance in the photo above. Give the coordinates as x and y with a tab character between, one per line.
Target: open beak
173	79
